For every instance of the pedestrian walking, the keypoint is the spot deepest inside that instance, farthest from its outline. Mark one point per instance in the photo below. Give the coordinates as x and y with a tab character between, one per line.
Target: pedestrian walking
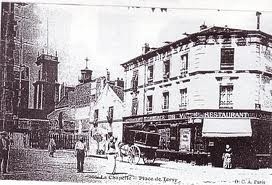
4	151
112	155
51	147
227	157
80	149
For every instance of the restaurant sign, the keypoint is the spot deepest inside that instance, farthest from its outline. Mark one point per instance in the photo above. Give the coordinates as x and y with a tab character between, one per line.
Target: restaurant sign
198	114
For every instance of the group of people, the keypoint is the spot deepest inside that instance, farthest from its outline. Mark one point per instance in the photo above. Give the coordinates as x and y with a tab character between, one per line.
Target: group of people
112	153
81	150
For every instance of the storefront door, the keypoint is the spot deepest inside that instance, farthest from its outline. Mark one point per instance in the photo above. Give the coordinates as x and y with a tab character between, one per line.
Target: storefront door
216	148
174	144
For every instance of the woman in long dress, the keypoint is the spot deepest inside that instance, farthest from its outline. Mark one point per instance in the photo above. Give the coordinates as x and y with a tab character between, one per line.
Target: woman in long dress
227	157
51	147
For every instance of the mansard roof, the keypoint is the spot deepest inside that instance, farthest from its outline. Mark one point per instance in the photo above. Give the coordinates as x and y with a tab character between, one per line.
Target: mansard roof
212	31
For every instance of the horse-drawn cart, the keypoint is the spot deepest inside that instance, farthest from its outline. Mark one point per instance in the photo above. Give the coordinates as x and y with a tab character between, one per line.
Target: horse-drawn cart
141	144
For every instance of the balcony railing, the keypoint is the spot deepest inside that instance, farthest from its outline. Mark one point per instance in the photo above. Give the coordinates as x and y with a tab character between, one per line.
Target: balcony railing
165	108
166	75
183	72
149	109
150	79
182	106
226	104
227	66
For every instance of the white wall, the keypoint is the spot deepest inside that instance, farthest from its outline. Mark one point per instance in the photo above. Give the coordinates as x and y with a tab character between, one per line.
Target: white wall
203	89
82	112
107	99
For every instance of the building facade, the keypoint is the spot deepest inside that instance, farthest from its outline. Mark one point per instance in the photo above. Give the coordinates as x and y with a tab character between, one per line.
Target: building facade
206	90
32	126
81	111
46	87
106	117
8	34
18	55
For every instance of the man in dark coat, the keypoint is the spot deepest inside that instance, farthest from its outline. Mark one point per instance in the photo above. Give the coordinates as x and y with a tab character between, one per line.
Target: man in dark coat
80	149
4	151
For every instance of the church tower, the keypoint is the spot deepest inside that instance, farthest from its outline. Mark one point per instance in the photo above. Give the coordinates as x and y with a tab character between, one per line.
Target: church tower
86	74
46	88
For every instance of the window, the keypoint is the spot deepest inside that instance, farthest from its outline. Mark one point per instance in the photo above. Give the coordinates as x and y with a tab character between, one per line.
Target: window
149	103
183	98
226	96
134	107
25	73
39	75
150	74
184	65
110	114
166	69
165	105
9	102
134	81
60	119
95	115
227	59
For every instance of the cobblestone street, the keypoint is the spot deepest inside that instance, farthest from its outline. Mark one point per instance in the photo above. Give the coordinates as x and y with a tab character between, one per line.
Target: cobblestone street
37	165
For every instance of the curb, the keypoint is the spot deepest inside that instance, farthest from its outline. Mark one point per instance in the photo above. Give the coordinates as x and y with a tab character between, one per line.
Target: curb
97	156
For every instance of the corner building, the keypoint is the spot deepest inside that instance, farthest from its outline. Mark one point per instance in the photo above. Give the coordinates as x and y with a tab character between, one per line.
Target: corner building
206	90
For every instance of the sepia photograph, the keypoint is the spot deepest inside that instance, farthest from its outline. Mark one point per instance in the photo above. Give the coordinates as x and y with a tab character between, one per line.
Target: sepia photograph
136	92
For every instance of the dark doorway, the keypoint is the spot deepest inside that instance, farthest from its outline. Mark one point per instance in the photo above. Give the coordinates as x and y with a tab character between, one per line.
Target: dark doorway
243	153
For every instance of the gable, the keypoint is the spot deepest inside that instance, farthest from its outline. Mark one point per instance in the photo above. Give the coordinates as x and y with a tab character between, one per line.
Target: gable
108	96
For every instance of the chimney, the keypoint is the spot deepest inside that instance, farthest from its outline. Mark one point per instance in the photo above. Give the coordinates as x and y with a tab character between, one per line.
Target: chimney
108	76
258	14
203	26
119	82
146	48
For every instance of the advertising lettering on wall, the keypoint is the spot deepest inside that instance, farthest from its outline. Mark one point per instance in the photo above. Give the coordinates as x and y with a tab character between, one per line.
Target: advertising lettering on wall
185	139
208	114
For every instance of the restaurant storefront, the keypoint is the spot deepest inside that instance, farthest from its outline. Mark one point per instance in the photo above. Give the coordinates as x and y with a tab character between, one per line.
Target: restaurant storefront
203	134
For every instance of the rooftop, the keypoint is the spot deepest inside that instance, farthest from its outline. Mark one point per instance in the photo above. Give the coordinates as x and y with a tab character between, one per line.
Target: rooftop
211	31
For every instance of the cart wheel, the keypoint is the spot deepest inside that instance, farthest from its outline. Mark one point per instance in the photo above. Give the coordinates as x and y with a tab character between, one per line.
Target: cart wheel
149	158
134	154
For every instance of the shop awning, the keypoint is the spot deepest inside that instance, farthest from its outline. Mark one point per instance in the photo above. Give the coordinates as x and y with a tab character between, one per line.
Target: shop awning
226	128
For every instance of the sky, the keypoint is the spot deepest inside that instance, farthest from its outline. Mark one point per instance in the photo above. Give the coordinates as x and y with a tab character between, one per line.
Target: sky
110	36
